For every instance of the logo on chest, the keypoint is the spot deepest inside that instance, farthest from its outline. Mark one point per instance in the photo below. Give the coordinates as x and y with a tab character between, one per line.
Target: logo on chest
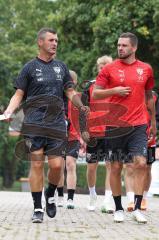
57	70
140	74
121	75
39	75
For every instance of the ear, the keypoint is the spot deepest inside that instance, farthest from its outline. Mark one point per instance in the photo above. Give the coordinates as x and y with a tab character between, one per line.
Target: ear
40	42
134	49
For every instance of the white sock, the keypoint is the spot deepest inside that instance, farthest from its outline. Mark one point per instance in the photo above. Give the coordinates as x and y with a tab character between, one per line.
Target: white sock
145	195
92	191
108	194
130	196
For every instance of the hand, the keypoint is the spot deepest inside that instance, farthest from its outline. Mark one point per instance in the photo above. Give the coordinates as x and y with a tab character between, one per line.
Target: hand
150	140
82	146
85	136
84	109
7	115
81	142
122	91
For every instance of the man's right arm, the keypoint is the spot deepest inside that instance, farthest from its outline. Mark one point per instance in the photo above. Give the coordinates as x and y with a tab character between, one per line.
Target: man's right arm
14	102
100	93
101	90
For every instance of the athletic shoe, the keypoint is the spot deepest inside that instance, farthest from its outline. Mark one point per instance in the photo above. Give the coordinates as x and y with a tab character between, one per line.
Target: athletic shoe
70	204
119	216
92	203
60	202
50	206
130	207
107	207
38	215
139	217
143	205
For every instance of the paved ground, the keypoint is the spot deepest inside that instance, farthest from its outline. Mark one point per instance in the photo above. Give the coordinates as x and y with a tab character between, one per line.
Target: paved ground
15	223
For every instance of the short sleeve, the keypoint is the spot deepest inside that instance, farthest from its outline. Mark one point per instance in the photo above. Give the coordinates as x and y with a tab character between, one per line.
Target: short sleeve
150	82
102	78
67	81
23	79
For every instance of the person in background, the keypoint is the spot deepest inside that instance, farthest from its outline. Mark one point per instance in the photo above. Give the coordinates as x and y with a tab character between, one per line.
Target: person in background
96	153
71	155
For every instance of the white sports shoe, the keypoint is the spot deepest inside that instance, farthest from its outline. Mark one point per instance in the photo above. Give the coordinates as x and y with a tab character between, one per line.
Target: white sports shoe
139	217
92	203
70	204
60	201
107	207
119	216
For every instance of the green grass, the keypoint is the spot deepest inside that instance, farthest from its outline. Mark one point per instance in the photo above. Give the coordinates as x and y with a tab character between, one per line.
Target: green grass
81	180
81	175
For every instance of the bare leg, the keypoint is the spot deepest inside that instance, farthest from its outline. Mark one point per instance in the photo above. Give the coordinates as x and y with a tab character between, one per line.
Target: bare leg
115	178
71	172
115	183
129	184
129	177
147	178
139	179
91	174
147	183
107	205
60	187
36	177
91	180
61	182
107	179
71	180
55	164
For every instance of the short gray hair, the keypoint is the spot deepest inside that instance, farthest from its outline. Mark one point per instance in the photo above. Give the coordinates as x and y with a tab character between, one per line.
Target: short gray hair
42	32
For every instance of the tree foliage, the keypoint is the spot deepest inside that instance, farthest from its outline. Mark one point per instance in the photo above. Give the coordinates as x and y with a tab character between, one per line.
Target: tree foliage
86	29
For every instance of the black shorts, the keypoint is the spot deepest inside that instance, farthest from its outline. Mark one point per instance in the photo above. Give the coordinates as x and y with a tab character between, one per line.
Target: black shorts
151	155
97	152
72	148
51	146
125	147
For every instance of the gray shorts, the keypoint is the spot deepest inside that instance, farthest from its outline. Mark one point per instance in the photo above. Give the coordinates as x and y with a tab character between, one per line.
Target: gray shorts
51	146
125	147
96	153
72	148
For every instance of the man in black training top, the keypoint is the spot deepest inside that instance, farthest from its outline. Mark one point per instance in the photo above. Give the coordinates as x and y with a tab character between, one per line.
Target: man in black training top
41	83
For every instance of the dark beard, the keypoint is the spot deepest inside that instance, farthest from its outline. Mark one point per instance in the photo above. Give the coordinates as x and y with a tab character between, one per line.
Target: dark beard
125	57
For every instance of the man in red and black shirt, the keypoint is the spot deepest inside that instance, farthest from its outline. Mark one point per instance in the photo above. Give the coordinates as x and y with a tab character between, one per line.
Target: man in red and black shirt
127	82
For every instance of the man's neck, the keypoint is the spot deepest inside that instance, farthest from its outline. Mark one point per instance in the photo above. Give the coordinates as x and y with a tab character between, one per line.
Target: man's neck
129	60
45	57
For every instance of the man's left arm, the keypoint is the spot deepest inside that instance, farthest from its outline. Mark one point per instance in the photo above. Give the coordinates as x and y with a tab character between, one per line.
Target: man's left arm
83	111
152	112
76	100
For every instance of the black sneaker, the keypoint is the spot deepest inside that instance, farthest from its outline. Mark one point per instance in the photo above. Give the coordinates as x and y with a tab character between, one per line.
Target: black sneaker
38	215
50	206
